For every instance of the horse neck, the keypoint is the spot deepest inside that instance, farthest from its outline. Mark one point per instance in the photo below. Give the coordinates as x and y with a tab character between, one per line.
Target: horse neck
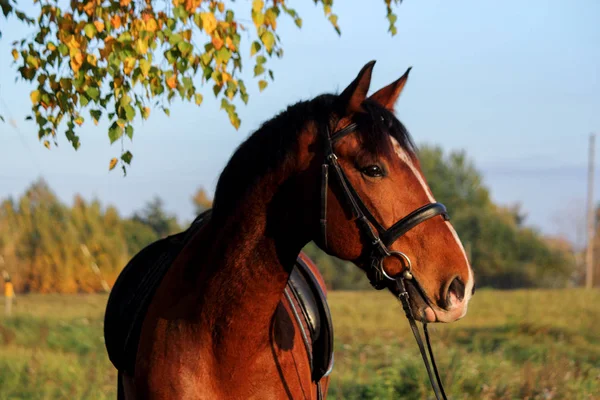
254	252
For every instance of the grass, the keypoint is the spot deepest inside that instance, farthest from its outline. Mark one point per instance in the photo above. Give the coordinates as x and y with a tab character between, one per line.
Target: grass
536	344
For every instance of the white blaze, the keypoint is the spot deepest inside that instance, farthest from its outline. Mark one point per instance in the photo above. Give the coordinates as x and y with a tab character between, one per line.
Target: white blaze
407	160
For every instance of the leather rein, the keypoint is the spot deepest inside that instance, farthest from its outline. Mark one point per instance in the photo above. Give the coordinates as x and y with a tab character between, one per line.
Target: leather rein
379	240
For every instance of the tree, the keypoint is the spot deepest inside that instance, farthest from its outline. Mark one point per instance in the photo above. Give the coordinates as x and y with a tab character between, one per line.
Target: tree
202	201
120	58
154	216
504	252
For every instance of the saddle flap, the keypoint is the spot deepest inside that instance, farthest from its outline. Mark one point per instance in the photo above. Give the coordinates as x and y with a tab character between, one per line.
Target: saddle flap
313	303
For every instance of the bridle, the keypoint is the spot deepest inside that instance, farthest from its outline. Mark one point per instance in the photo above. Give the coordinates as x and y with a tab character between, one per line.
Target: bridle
380	239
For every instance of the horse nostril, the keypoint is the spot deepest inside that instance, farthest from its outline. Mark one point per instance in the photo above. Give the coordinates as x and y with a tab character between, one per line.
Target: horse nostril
455	293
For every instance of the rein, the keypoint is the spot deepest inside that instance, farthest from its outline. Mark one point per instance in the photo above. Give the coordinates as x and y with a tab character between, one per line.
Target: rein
379	241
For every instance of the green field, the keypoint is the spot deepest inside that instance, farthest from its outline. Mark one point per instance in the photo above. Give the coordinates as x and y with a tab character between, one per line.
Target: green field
537	344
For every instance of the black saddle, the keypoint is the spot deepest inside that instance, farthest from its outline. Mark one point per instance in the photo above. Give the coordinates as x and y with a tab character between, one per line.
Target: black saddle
132	293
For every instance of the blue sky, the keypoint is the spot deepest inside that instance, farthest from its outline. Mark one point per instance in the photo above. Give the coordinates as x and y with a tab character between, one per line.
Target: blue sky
516	84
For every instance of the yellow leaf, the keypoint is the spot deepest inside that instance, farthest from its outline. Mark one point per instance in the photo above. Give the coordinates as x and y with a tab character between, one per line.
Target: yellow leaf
15	54
221	6
262	84
187	34
145	112
47	144
141	46
35	97
172	82
229	44
112	164
99	26
124	3
76	60
89	7
91	59
271	18
128	65
257	5
209	22
151	25
225	77
79	121
72	43
144	66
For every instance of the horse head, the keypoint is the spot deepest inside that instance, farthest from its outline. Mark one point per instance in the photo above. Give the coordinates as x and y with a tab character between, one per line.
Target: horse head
371	186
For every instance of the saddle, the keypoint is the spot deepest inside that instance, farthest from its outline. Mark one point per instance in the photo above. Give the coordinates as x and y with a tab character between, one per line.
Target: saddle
132	293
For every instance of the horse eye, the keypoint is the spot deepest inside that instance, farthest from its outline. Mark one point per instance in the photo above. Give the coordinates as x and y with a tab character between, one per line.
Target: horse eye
373	171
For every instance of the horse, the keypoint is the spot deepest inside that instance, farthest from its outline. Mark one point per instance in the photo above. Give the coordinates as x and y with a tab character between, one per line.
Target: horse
340	170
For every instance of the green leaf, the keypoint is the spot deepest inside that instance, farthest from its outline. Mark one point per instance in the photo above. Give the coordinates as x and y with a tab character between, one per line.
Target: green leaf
93	93
187	82
180	12
96	114
126	157
115	132
223	55
254	48
129	132
185	48
175	38
262	84
90	30
261	59
217	89
268	40
258	69
129	112
167	111
64	50
298	22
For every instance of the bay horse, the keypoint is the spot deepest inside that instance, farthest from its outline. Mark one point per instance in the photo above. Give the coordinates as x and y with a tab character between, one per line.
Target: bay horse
340	170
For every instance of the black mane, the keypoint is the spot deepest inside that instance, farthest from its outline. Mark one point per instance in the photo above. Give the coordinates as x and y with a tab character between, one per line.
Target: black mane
274	143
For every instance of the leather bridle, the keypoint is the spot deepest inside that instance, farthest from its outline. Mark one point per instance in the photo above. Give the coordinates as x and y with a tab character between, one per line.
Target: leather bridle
380	239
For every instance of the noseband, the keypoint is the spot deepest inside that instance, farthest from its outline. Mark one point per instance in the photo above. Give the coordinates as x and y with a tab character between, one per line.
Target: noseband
380	239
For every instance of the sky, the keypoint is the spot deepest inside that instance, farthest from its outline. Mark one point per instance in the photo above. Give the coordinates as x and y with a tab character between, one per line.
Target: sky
513	83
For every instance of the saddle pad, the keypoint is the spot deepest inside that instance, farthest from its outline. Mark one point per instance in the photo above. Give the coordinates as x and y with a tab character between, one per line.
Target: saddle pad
132	293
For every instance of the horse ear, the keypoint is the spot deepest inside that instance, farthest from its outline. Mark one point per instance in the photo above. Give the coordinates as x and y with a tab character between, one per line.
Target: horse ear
388	95
353	96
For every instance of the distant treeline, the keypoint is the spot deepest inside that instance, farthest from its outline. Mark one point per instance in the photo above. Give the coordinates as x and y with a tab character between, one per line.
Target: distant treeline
41	238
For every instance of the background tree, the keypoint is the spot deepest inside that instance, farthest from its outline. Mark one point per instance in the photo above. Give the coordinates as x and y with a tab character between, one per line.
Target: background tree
504	253
120	58
154	216
201	201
